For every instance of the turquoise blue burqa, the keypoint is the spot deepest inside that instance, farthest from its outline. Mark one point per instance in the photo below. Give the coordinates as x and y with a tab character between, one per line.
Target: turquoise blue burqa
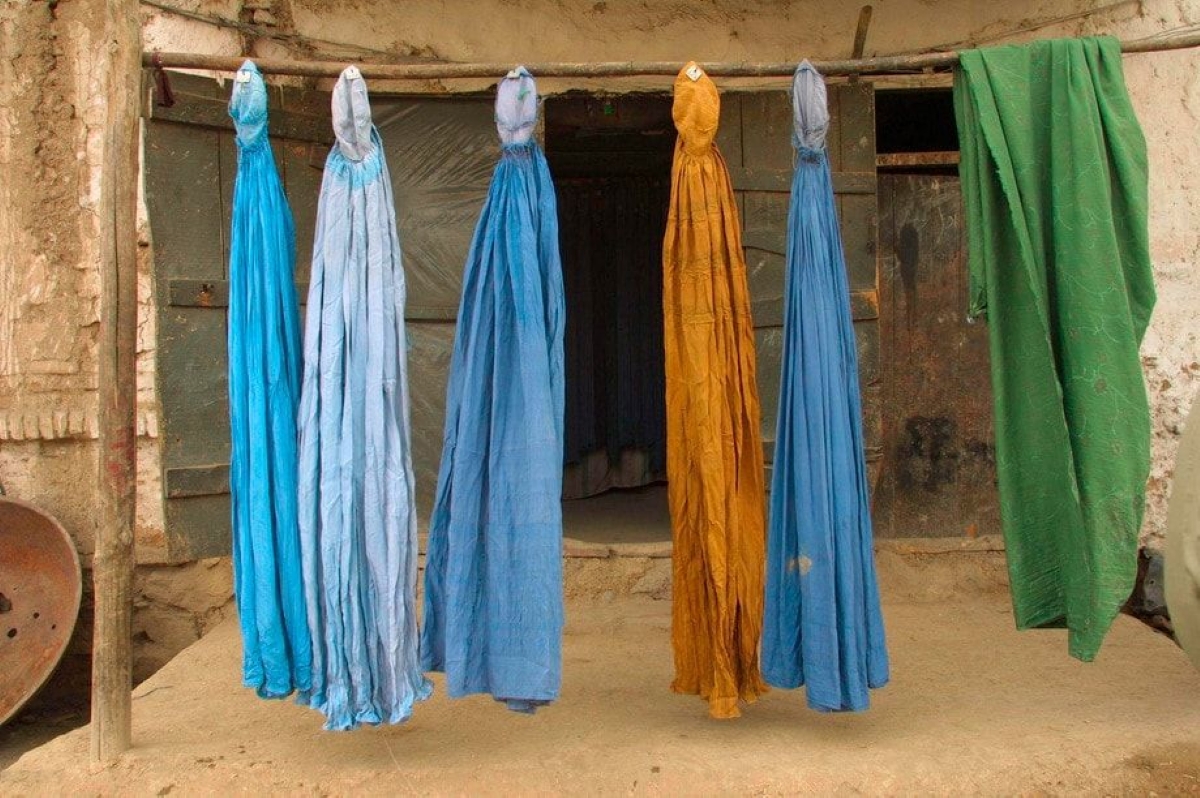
493	579
358	521
822	624
264	387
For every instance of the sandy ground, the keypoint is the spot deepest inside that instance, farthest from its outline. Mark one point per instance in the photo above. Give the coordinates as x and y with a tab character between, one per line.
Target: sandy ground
974	707
31	729
619	517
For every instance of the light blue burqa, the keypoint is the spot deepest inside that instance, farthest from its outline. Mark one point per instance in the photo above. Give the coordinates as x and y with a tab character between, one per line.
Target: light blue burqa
358	523
493	577
264	387
822	624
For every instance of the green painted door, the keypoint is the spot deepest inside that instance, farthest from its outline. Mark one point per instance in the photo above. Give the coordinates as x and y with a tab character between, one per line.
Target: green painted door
440	152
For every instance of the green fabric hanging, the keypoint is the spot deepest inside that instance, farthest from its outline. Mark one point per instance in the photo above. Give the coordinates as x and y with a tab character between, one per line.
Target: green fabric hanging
1054	177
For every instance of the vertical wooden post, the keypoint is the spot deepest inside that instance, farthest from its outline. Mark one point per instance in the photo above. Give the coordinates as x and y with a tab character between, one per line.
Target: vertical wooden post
112	661
860	36
860	32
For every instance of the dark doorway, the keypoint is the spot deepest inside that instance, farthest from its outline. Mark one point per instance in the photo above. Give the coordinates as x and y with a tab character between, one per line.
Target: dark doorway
611	161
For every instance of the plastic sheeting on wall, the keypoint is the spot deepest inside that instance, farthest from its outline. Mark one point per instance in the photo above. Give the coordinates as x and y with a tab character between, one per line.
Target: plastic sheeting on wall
441	153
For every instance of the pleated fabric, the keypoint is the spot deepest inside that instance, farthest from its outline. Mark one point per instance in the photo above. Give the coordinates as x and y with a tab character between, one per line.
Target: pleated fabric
714	443
493	575
1055	181
264	388
358	522
822	625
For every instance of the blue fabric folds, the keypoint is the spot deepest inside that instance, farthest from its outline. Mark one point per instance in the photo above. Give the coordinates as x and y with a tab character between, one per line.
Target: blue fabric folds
264	387
822	625
493	576
358	523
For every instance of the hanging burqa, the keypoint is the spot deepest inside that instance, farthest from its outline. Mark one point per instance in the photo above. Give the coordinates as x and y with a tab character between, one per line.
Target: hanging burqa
822	626
358	523
714	445
1054	178
493	577
264	388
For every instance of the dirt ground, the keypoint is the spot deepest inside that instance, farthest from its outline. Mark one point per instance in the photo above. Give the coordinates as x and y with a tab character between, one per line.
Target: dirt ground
974	707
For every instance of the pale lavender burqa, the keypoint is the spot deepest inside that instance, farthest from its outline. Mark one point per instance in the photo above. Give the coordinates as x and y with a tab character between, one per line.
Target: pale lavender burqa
358	522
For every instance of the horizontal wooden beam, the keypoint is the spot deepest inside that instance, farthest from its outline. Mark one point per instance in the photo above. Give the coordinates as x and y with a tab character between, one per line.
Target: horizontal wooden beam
872	454
213	112
215	294
188	481
880	65
765	240
864	306
902	159
780	181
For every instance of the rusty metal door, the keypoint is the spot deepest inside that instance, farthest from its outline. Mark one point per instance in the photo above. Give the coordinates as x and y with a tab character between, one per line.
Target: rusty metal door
939	474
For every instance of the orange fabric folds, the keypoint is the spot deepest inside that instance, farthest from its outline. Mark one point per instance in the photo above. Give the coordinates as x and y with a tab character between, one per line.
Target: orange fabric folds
714	443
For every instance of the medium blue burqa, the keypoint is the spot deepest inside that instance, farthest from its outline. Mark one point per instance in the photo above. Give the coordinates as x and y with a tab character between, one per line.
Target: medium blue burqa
493	577
358	522
822	624
264	387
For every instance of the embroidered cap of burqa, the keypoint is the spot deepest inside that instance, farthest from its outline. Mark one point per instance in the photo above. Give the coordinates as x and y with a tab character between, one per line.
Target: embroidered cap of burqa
714	445
493	577
358	520
822	626
264	388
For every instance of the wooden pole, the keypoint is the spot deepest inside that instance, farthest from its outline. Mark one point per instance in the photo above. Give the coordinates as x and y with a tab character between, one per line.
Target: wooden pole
860	36
860	32
112	661
882	65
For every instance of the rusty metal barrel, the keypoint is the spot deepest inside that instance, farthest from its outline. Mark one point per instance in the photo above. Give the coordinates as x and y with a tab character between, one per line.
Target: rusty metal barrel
40	590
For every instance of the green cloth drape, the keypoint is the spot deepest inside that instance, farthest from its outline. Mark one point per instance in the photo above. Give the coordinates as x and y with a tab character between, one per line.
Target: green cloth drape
1054	178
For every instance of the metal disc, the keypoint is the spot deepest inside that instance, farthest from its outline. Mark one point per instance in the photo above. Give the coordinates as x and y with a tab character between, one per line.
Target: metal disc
40	590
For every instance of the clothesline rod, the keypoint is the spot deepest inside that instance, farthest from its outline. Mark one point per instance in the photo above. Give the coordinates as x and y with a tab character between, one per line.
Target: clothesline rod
884	65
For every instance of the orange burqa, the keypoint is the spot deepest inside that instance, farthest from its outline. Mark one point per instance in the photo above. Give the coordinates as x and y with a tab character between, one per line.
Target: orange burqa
714	444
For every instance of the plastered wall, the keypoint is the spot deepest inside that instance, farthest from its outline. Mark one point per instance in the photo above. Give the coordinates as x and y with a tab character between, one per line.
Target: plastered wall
51	142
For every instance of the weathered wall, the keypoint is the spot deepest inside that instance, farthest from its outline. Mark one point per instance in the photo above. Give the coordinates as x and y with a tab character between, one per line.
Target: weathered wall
1165	89
1166	93
51	143
51	113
